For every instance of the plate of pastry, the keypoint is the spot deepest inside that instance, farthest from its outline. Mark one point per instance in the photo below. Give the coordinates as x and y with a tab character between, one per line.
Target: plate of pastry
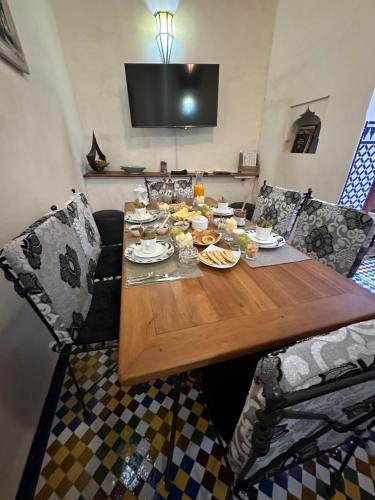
204	237
184	214
219	258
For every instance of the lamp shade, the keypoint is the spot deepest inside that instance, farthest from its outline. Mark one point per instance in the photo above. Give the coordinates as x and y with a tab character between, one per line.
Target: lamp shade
164	33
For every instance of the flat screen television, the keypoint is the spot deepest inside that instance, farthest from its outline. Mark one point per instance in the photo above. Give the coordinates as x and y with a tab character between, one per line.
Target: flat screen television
173	95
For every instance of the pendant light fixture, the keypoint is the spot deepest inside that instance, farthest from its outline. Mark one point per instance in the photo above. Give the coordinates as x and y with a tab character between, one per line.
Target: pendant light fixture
164	33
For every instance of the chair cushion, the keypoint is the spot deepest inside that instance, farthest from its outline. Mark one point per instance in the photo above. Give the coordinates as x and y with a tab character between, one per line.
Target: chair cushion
110	224
278	204
110	262
103	319
81	218
337	236
308	364
50	263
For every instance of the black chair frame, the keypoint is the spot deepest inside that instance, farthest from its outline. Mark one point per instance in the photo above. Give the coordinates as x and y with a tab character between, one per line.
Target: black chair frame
59	347
277	408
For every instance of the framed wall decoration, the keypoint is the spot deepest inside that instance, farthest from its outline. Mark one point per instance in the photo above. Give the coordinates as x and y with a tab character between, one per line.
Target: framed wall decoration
10	45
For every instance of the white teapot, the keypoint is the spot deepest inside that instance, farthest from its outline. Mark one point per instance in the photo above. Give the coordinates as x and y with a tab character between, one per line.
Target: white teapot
140	194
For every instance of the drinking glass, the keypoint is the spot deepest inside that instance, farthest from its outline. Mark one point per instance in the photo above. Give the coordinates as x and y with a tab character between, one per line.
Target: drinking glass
187	255
251	251
198	186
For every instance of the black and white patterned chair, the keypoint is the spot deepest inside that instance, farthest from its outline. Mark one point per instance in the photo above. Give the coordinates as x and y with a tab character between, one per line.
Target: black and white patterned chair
337	236
52	265
182	189
101	242
279	205
303	400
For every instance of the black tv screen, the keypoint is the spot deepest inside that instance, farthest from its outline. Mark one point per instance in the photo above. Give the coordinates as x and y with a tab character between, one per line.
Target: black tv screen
173	95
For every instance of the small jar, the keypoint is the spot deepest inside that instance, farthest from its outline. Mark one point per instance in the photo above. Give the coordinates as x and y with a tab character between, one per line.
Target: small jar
240	216
199	222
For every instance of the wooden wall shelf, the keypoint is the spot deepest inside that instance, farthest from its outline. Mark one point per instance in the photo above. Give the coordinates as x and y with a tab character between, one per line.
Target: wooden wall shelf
111	174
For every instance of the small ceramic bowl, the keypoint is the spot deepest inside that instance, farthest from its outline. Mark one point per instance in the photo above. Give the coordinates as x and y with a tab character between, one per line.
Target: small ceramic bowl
163	230
134	230
199	222
183	225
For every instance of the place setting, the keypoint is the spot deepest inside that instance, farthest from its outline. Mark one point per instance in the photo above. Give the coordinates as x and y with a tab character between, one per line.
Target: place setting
155	258
140	215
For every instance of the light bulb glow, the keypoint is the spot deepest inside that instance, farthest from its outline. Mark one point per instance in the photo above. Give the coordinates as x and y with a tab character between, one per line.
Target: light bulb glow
164	33
188	105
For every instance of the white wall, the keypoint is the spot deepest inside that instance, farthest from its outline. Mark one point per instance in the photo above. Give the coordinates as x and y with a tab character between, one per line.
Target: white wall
320	48
98	37
41	153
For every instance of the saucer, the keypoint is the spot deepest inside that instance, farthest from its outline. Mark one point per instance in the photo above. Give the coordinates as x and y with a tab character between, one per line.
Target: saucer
131	219
168	251
275	241
144	217
139	253
216	211
270	241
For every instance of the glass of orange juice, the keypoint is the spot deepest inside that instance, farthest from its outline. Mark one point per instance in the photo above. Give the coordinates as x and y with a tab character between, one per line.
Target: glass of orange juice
198	186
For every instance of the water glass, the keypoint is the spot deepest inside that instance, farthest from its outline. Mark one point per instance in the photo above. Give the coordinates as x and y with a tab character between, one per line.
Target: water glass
187	255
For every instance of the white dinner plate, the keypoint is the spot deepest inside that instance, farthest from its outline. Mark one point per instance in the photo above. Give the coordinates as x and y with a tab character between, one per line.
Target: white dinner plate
276	241
222	266
228	212
132	219
159	249
167	252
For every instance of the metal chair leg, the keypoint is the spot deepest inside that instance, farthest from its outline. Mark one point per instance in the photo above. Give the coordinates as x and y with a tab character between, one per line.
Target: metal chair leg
79	392
338	474
175	408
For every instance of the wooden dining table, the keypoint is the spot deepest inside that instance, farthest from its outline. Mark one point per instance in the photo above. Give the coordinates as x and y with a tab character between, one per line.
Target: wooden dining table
173	327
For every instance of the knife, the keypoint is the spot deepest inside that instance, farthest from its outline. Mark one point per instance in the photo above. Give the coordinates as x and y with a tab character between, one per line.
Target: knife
153	279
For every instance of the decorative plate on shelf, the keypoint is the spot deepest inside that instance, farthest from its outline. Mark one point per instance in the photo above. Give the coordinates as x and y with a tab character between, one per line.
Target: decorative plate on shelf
133	169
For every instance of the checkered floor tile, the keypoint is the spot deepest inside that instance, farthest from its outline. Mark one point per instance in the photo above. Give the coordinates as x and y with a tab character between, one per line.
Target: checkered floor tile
365	276
121	452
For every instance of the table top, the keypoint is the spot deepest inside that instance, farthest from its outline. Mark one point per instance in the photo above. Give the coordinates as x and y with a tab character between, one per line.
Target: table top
171	327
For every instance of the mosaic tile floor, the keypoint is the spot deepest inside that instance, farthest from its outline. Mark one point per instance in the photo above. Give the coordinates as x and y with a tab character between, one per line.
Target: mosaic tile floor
365	276
121	452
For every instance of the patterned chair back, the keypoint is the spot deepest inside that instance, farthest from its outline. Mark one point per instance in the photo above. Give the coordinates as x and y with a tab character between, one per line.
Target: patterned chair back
303	400
50	264
278	204
337	236
85	226
182	188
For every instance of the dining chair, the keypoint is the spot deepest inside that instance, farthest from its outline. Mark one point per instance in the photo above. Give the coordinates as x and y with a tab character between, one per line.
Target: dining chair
49	267
182	189
304	400
335	235
101	235
155	189
249	207
278	205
